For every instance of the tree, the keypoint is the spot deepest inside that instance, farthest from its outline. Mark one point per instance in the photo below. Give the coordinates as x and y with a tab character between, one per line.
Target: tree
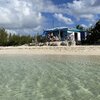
79	27
3	37
95	33
13	39
25	39
39	38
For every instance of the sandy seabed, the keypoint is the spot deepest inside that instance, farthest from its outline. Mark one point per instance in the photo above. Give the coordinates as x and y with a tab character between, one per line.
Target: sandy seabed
52	50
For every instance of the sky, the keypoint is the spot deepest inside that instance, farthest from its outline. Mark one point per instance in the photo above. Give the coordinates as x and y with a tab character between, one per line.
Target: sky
34	16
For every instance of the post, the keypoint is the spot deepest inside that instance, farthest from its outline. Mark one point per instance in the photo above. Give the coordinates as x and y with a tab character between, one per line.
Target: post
59	35
36	39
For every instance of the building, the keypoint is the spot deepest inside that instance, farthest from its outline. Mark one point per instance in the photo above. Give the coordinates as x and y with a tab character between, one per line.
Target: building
65	35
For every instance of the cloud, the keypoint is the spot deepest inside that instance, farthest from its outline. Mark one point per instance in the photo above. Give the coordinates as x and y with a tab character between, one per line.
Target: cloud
27	15
83	25
84	8
62	18
88	17
10	31
19	14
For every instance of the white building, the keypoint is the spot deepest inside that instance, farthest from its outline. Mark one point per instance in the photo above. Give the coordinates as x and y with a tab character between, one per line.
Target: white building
75	36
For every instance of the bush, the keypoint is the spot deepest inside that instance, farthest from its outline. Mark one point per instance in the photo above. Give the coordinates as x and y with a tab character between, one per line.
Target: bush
63	44
54	44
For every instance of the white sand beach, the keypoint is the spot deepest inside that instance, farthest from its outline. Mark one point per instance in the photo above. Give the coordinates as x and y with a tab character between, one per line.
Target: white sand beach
52	50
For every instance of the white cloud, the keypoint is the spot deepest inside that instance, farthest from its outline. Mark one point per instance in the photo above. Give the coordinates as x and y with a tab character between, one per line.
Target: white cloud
20	14
85	26
47	6
62	18
11	31
89	17
26	15
84	7
23	14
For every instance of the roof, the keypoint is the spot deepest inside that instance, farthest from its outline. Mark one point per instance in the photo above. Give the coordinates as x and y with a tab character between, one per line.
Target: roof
69	30
57	28
65	28
75	30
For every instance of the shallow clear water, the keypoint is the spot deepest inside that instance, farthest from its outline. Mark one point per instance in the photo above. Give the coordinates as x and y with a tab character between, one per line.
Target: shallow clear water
35	77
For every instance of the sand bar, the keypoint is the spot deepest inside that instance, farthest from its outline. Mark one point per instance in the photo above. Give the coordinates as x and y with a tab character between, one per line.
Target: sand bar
52	50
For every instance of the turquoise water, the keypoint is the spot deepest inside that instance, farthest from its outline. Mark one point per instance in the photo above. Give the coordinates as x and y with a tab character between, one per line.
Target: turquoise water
24	77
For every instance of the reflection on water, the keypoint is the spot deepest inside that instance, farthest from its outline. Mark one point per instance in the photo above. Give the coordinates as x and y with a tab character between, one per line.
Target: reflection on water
49	77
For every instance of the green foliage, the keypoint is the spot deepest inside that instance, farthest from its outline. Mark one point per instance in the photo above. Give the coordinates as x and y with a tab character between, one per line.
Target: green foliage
39	38
13	39
19	40
25	39
80	27
3	37
94	35
42	39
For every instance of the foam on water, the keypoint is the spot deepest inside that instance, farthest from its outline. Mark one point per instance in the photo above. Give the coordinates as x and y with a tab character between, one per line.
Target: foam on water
24	77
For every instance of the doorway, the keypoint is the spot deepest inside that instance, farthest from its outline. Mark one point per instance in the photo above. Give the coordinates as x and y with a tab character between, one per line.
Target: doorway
76	37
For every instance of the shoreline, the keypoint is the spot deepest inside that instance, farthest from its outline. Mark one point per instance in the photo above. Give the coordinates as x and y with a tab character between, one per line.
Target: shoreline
51	50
